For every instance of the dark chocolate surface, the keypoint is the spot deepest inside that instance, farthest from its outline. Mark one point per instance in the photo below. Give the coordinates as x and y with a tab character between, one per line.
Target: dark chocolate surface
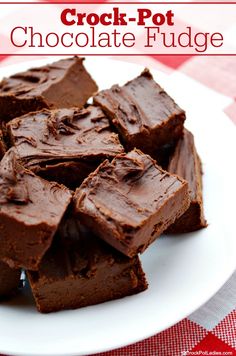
31	210
80	270
9	280
64	83
63	134
48	138
130	201
70	173
2	145
143	113
127	202
186	163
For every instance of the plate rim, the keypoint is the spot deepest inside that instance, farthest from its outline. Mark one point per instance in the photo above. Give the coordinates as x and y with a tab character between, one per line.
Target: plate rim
134	339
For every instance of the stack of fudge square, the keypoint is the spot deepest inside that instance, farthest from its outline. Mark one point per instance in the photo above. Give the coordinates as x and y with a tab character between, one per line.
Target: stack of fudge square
86	188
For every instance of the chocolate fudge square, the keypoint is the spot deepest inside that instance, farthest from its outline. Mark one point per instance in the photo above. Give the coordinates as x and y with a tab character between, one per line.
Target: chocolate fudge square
80	270
130	201
31	210
186	163
62	84
9	280
64	145
145	116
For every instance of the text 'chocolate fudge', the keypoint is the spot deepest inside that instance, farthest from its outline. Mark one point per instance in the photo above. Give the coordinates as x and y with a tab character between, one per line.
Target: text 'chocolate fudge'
131	201
62	84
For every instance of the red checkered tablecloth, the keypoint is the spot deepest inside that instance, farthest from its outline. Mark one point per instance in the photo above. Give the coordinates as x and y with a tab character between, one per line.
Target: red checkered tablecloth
211	330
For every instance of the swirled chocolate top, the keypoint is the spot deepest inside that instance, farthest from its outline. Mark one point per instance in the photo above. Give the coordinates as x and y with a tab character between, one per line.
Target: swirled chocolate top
144	114
130	201
30	211
27	196
62	135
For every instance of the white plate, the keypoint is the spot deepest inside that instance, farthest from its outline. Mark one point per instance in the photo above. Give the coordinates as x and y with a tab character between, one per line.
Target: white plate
183	271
